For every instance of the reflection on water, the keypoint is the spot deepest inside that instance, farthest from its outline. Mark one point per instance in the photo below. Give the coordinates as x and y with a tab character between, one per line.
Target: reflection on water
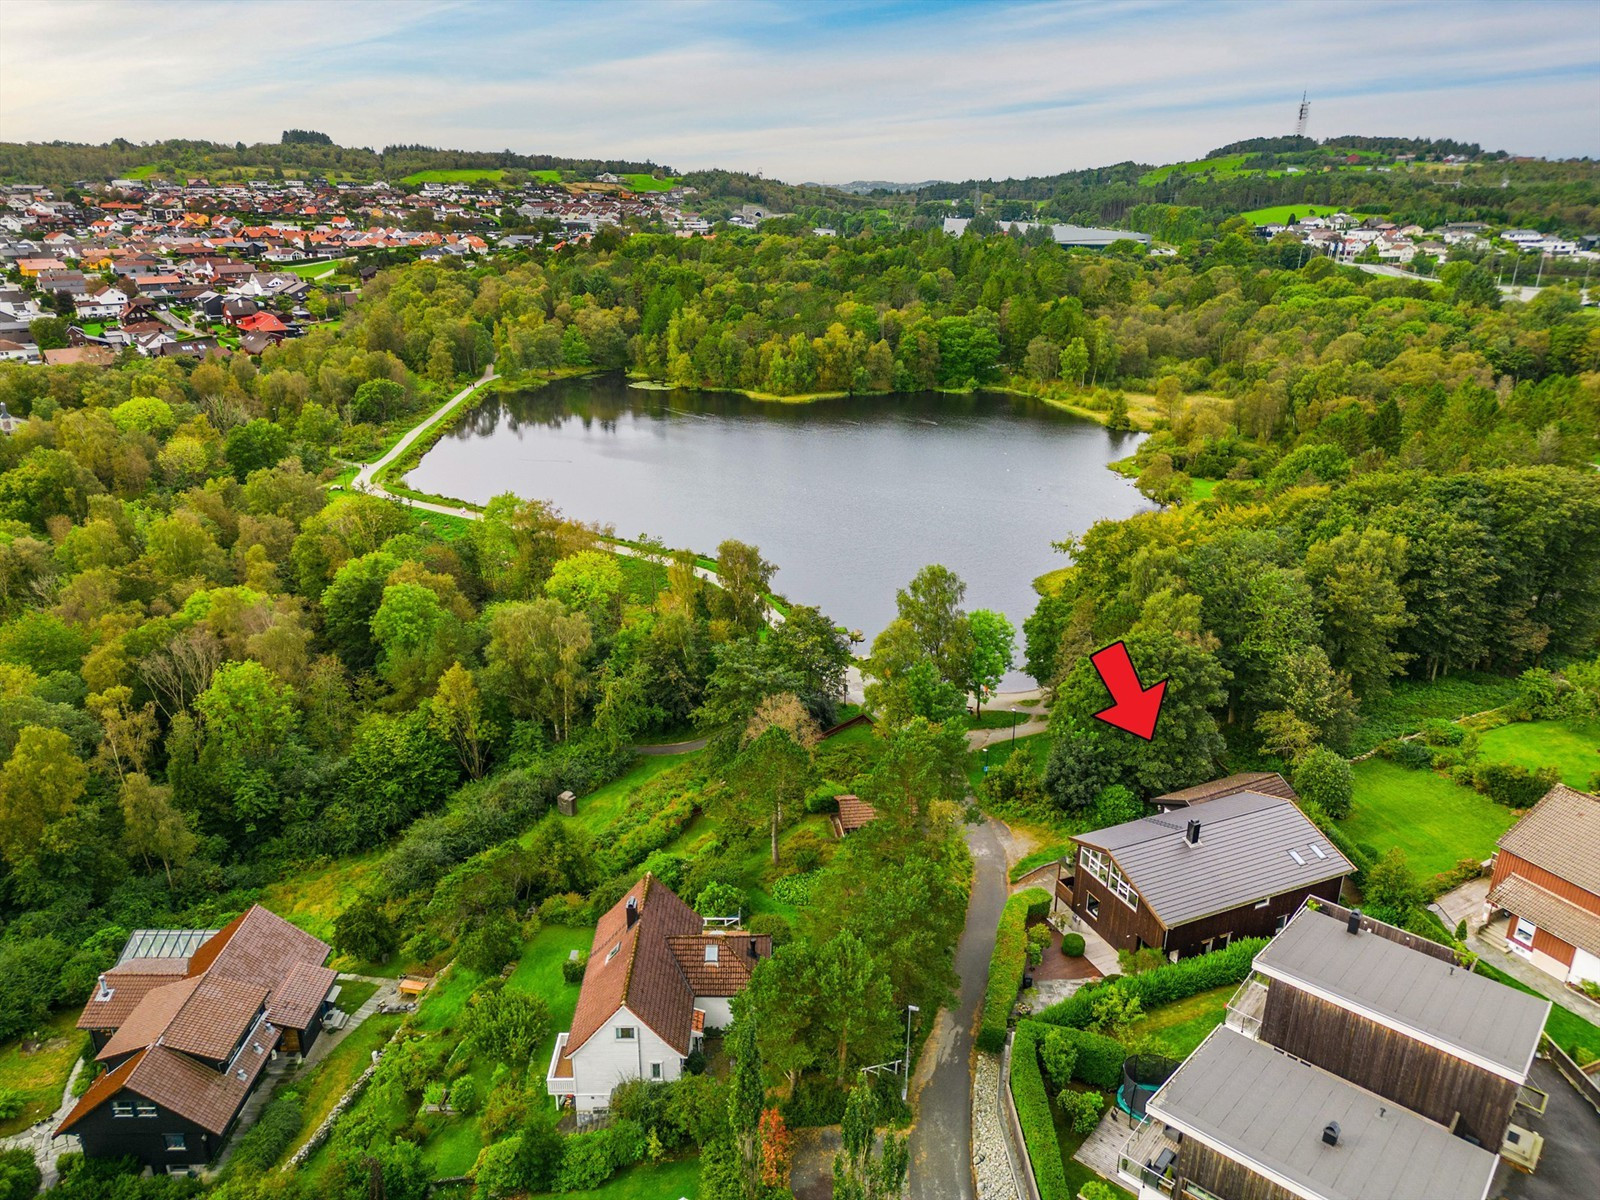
849	497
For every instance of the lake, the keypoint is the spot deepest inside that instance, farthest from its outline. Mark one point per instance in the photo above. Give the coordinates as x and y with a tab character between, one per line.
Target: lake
850	497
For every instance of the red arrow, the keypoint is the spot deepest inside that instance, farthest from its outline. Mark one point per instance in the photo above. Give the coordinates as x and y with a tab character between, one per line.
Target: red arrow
1137	706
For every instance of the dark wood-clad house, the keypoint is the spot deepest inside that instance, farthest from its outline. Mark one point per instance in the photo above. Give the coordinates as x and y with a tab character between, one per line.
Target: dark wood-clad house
1359	1062
1547	879
184	1024
1192	881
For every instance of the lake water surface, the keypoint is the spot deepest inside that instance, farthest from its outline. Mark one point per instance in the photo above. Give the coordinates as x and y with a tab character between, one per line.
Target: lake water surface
850	498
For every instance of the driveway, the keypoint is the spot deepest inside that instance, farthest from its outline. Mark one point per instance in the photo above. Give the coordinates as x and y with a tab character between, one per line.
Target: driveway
1571	1132
941	1140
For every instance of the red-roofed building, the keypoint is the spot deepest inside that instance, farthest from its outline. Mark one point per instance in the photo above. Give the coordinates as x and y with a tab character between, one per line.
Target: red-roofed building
657	977
184	1024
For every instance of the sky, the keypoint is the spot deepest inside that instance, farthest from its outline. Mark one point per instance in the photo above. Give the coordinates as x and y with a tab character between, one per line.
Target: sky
820	91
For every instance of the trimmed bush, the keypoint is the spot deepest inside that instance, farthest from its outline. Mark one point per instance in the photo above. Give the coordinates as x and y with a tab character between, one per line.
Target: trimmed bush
1038	906
1094	1058
1006	966
1033	1114
1072	945
1162	985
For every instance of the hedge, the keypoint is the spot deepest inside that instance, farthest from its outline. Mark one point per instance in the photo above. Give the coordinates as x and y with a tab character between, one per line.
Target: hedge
1033	1114
1162	985
1097	1059
1006	966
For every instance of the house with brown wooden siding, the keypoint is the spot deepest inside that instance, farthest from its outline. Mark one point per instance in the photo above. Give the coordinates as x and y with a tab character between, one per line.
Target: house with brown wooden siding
1192	881
184	1024
1263	783
1358	1062
1546	884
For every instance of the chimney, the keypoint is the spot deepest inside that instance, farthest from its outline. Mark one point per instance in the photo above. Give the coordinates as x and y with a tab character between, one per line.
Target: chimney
1192	834
1354	923
1330	1133
633	910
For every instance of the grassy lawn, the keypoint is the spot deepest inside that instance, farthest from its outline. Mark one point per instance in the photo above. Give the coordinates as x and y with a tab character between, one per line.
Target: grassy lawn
648	1181
649	183
1182	1025
1435	821
1410	704
1201	489
353	993
463	175
313	270
1036	745
1032	862
597	808
539	972
312	900
329	1079
1279	214
41	1075
1572	747
453	1148
1223	166
996	718
548	175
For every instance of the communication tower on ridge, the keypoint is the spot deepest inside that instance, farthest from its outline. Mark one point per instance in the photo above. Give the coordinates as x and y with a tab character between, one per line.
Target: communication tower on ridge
1305	112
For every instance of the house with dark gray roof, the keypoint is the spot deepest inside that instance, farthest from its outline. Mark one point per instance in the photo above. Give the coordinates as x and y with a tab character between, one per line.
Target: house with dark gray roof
1192	881
1398	1015
1242	1118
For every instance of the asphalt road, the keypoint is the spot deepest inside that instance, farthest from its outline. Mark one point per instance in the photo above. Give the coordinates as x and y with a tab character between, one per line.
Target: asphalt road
941	1140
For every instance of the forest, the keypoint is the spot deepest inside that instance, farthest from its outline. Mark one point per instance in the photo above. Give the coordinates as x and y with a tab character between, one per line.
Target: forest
221	673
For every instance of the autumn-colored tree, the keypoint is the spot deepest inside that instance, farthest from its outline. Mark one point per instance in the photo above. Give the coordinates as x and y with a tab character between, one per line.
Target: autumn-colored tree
777	1149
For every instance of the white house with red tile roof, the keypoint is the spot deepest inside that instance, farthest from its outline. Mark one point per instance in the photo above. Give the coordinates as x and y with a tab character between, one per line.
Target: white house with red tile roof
657	978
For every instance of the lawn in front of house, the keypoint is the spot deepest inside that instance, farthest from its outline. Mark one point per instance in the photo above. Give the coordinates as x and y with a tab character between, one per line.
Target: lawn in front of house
40	1076
1571	746
648	1181
1435	820
1182	1025
649	183
353	993
539	971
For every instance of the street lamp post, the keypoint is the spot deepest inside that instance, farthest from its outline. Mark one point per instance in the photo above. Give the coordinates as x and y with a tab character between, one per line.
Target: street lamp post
905	1080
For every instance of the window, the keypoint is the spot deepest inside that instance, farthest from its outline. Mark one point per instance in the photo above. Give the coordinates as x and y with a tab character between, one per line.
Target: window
1283	919
121	1108
1092	905
655	1070
144	1108
1264	903
711	952
1317	850
175	1141
612	953
1523	934
1295	854
624	1033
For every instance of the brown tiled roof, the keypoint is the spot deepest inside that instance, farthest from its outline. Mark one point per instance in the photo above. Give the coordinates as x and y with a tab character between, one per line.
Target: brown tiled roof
214	1017
729	974
854	813
295	1003
1574	925
146	1022
643	973
101	1090
1561	833
259	947
1263	783
128	988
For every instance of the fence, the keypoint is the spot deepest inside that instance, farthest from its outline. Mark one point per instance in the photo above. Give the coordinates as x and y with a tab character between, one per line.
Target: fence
1582	1083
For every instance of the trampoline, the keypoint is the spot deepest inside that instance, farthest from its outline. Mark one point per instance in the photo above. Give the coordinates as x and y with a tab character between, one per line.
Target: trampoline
1142	1074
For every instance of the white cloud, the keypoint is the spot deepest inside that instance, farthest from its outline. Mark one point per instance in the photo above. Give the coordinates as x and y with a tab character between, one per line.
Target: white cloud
809	91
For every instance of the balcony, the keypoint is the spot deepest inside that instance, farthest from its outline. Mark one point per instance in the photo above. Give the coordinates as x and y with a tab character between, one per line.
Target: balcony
558	1079
1149	1160
1247	1008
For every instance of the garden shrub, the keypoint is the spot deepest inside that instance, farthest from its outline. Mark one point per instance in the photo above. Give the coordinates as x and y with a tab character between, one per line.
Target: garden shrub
1059	1054
794	889
463	1096
1090	1058
1513	786
1448	881
1038	905
589	1159
1033	1114
773	925
1006	966
1096	1189
1415	754
19	1173
1162	985
719	899
814	1102
1072	945
1082	1109
1322	778
1038	943
271	1136
572	968
12	1102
